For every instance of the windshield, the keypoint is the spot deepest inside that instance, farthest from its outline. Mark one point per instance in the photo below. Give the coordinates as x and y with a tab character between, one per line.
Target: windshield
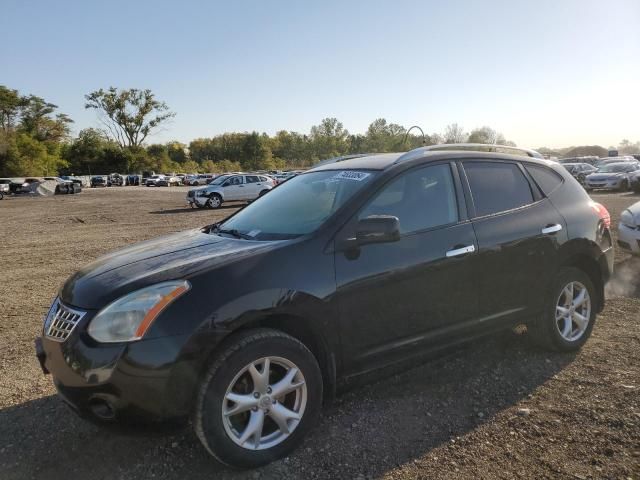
298	206
219	180
615	167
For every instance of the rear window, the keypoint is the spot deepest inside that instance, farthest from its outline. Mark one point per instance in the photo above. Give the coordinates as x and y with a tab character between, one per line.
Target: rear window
497	187
547	179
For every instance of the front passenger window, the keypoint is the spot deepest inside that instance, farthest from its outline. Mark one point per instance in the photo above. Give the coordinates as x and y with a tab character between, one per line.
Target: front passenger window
421	198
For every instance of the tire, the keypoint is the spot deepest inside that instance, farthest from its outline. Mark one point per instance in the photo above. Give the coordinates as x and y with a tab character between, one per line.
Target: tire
215	201
214	428
624	186
546	330
263	192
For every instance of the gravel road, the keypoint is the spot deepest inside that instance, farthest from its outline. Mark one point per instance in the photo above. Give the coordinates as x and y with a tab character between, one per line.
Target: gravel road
495	409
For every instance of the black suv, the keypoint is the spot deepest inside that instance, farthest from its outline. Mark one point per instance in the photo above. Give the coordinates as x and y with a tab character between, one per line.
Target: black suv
250	324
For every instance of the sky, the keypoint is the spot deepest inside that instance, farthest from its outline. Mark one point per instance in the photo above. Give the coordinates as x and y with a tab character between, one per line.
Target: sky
544	73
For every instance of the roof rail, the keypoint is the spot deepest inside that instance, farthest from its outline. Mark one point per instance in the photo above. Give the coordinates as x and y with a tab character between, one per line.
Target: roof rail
341	158
482	147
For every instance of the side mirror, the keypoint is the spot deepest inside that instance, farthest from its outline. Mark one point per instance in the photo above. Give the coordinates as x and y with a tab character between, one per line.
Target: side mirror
378	229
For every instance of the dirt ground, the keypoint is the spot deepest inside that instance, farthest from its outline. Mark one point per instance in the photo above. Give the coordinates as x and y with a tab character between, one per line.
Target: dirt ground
496	409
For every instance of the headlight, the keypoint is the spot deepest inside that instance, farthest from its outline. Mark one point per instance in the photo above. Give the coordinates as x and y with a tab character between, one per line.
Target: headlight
129	317
626	217
201	193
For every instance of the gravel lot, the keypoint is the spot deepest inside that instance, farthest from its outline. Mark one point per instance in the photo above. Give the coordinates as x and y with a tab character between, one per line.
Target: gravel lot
497	409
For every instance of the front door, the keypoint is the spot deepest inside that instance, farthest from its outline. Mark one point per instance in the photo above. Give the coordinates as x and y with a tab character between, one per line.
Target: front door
234	188
396	298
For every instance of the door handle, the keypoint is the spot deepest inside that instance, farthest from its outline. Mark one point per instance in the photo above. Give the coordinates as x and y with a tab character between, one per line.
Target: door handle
551	229
456	252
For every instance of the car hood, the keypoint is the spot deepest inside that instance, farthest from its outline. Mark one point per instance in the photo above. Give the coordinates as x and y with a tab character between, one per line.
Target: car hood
604	176
176	256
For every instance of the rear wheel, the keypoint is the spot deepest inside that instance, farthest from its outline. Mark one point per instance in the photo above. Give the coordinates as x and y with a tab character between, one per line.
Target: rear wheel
263	192
569	315
261	395
624	186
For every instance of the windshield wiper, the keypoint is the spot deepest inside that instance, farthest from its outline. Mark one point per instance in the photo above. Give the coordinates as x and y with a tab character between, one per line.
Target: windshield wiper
230	231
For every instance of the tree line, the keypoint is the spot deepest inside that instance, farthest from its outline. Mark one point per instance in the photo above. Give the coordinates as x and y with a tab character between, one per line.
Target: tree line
35	139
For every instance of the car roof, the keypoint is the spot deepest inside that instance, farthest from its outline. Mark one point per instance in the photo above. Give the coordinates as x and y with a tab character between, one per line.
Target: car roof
383	161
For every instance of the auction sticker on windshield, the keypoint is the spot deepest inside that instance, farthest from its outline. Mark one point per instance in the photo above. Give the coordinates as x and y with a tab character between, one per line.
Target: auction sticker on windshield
349	175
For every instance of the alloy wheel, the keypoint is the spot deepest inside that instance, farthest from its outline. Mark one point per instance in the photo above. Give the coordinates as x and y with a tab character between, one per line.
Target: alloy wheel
264	403
573	311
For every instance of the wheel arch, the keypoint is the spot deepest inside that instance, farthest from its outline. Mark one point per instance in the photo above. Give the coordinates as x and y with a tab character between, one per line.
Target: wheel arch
594	269
304	331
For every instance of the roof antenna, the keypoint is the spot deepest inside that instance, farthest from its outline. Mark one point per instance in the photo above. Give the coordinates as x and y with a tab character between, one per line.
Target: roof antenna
406	135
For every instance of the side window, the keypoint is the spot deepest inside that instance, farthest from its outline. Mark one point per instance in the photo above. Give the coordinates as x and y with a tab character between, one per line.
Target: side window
421	198
547	179
263	179
497	186
251	179
234	181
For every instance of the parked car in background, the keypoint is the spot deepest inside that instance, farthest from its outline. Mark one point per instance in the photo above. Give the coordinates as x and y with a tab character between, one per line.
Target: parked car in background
172	180
75	180
589	159
230	188
115	180
64	186
580	170
612	176
635	182
5	187
204	178
190	179
26	185
157	181
629	229
98	181
607	160
132	180
246	326
146	176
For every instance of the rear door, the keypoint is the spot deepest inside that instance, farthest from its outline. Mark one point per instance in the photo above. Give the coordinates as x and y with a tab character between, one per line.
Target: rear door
252	187
397	298
519	233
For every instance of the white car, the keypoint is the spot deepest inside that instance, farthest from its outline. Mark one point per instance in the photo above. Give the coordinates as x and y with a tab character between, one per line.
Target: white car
629	229
230	188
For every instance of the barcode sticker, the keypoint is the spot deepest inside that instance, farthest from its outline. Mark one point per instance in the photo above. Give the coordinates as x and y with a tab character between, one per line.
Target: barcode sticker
351	175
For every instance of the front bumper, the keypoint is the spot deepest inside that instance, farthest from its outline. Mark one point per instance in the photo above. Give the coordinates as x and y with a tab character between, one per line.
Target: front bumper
629	238
605	184
197	200
147	381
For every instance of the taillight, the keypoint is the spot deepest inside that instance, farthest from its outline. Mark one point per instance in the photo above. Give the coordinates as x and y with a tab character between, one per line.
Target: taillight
602	212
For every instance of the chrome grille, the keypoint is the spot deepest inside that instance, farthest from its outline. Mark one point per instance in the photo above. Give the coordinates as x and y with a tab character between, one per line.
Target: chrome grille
60	321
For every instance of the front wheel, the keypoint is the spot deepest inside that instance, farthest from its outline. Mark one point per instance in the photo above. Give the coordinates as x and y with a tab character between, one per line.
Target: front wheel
569	314
259	398
214	201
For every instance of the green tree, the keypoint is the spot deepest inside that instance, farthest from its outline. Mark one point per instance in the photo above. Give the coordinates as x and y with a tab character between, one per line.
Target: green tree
329	138
129	116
